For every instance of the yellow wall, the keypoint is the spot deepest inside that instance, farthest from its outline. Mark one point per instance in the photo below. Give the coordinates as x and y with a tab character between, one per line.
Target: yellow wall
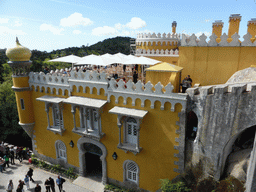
25	115
214	65
158	46
164	77
157	138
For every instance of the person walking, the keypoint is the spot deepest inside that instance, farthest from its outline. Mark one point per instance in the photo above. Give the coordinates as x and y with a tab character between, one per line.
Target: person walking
51	181
59	182
20	186
47	185
1	164
38	188
12	155
6	158
30	174
26	180
9	186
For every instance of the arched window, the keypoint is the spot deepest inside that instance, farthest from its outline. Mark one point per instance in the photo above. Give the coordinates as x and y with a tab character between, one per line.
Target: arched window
131	173
61	150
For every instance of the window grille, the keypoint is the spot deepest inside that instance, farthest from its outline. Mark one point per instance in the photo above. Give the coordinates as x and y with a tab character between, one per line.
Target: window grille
132	172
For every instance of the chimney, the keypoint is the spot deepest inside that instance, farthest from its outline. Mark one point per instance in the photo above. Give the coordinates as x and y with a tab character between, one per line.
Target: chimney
252	28
174	25
217	29
234	21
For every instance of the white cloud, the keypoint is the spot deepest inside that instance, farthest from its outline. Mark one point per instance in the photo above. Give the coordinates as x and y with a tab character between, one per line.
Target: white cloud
54	30
119	26
7	31
75	19
136	23
17	23
106	30
77	32
4	20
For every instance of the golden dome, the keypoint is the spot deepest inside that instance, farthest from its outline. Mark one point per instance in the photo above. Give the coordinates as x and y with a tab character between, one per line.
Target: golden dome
18	53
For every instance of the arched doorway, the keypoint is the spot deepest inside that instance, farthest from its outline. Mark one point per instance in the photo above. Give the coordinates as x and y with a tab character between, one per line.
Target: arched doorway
192	125
238	143
92	158
93	164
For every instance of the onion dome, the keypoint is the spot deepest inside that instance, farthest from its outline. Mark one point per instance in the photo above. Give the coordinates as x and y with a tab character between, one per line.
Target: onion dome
18	53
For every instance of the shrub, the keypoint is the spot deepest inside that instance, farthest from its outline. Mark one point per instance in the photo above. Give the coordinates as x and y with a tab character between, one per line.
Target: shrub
230	184
206	185
168	186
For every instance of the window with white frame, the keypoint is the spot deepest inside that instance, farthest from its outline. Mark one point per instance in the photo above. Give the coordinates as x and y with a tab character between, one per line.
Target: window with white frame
129	122
90	118
61	150
57	116
90	122
131	131
131	172
54	105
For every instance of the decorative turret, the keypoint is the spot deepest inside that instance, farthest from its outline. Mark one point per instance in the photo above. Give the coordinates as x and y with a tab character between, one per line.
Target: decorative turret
217	29
19	57
234	22
252	28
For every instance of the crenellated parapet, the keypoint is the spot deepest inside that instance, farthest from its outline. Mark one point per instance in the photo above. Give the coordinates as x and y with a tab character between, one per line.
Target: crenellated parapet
166	53
146	92
93	80
49	81
88	79
159	39
193	41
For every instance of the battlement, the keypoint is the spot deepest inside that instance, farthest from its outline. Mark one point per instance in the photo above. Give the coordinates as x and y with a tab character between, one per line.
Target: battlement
141	36
236	89
167	53
67	82
192	41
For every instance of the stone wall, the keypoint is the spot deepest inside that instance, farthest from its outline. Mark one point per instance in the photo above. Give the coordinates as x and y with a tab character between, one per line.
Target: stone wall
224	112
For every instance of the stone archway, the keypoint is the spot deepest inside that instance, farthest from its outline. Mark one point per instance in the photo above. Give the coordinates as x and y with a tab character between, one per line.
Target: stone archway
232	145
82	152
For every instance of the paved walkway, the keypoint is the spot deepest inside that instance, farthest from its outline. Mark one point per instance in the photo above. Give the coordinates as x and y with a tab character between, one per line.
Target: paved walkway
17	172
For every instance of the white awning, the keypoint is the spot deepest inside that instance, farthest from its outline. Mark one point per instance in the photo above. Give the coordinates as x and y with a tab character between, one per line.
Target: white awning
88	102
128	112
50	99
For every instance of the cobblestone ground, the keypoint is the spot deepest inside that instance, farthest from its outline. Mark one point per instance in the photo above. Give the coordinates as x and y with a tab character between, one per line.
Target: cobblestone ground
17	172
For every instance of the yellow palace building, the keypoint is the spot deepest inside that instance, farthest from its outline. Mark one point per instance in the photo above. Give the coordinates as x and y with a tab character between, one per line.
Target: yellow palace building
131	134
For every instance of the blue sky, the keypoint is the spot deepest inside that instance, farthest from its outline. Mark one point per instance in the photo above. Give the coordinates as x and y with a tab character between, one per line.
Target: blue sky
55	24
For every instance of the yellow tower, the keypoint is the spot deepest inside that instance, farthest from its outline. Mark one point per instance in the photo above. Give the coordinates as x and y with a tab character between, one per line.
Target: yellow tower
19	61
234	22
174	25
217	29
252	28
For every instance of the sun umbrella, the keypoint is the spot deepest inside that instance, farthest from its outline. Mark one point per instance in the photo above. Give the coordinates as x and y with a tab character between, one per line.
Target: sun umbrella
67	59
95	60
141	61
